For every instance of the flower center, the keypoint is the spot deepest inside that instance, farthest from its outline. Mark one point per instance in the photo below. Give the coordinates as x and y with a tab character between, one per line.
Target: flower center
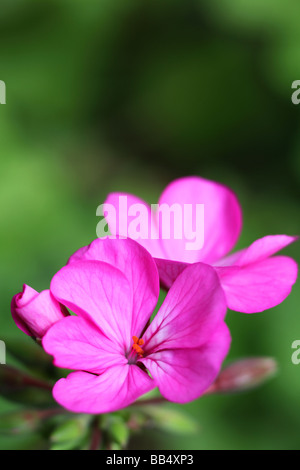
137	343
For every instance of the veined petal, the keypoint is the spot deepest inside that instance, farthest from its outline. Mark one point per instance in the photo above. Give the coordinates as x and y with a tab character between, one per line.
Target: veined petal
258	286
116	388
222	219
139	268
193	308
169	271
183	375
78	344
100	293
132	215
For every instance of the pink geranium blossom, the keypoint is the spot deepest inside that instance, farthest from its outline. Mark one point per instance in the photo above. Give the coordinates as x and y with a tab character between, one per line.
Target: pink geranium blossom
253	280
35	312
118	355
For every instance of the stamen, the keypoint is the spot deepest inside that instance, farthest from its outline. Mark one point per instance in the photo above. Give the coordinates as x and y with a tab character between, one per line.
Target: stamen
137	343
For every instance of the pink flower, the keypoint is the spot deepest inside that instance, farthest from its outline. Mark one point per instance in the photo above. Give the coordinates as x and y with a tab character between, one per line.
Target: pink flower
252	279
113	286
35	312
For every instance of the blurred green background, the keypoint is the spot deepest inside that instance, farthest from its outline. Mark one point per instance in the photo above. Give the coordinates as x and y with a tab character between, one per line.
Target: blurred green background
126	95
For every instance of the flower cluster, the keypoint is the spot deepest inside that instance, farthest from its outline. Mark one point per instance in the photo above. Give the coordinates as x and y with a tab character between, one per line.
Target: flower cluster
96	318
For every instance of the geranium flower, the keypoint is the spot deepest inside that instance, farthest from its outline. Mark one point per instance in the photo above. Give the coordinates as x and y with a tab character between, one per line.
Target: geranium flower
113	286
252	279
35	312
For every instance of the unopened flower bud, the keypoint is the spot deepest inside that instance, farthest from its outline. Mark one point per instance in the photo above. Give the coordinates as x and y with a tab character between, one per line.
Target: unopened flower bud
35	312
244	375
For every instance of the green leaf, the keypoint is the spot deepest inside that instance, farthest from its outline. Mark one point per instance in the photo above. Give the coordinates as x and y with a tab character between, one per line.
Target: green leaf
171	420
119	432
115	446
71	429
65	445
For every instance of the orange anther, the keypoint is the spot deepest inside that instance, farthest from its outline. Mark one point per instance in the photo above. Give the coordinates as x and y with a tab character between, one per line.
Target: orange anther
136	345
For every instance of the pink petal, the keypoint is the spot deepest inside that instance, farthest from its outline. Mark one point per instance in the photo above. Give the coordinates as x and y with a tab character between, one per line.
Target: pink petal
79	255
100	293
139	268
34	313
260	285
229	260
116	388
168	271
77	344
263	248
257	251
183	375
193	308
127	211
222	218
